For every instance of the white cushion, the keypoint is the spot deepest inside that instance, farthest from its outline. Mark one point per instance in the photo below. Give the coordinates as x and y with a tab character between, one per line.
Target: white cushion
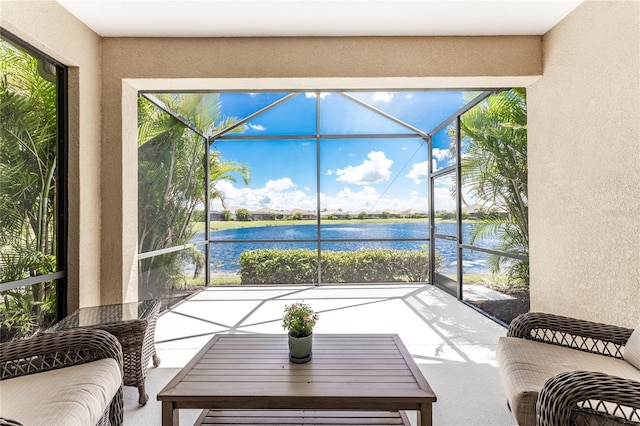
631	352
69	396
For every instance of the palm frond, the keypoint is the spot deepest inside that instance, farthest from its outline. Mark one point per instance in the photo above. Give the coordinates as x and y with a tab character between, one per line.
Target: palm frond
171	180
494	171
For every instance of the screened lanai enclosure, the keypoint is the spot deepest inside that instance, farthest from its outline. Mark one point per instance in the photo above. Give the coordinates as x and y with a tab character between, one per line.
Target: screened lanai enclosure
328	187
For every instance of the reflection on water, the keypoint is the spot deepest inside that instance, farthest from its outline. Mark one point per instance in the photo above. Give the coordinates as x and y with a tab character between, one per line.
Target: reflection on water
224	256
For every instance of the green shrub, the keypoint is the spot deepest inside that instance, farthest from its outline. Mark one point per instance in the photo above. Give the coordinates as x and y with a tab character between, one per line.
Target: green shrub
299	266
272	266
243	215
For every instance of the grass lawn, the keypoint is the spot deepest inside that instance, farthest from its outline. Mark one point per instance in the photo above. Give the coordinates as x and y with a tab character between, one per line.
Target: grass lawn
199	226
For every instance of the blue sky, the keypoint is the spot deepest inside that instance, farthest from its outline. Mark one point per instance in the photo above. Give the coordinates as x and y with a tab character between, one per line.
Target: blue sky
355	174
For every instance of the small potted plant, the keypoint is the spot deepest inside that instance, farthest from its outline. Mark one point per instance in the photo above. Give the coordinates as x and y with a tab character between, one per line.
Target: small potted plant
299	320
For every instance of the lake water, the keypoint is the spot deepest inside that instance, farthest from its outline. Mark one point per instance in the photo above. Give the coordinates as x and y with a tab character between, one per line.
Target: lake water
224	255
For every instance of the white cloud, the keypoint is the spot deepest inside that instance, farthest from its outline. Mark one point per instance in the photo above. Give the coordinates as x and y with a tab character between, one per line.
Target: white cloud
257	127
440	154
367	198
279	194
382	97
374	170
313	95
442	198
419	172
282	194
329	172
279	185
353	201
408	96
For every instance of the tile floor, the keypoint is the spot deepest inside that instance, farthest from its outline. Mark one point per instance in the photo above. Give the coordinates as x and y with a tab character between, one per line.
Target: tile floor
453	344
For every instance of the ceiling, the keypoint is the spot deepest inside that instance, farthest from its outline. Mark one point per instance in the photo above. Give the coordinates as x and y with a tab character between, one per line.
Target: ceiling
275	18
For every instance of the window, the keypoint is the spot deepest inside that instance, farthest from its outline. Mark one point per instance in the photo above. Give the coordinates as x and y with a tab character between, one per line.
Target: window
32	189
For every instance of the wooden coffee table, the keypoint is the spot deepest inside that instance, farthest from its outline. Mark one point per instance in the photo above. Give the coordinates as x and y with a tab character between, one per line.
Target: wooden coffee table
348	373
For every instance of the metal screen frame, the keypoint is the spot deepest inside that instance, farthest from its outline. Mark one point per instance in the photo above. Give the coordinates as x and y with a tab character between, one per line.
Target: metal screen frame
426	137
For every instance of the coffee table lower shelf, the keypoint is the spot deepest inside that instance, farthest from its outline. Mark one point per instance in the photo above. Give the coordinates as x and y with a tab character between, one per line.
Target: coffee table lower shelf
301	417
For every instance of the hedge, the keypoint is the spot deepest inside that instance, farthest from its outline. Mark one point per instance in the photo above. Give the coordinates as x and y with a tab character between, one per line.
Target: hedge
299	266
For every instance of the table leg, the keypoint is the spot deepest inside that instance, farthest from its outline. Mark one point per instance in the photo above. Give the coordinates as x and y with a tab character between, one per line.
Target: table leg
170	415
424	415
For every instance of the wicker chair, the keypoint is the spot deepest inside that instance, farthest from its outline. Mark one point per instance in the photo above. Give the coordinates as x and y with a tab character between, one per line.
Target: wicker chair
581	397
136	335
53	351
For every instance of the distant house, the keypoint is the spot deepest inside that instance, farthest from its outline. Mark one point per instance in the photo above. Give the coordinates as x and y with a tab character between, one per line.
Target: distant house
216	216
336	214
476	210
473	210
304	214
267	214
414	213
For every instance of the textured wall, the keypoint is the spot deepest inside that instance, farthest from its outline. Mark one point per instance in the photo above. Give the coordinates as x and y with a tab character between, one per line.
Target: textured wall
584	133
48	27
282	63
584	166
584	125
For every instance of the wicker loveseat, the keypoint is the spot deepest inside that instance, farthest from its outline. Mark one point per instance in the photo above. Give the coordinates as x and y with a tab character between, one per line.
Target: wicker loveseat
564	371
66	378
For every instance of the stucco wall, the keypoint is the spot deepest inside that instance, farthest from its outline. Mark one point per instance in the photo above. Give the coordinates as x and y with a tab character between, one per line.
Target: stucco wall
271	63
584	133
48	27
584	166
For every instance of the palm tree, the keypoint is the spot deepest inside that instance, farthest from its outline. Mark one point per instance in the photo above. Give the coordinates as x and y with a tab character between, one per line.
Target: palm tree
494	171
28	160
172	181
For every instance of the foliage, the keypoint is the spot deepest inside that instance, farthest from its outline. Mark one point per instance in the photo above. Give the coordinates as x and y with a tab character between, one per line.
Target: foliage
243	215
27	311
198	216
445	215
299	319
172	184
28	188
297	266
273	266
494	170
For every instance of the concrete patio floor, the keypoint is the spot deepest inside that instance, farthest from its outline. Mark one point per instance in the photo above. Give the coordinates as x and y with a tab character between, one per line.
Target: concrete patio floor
453	345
